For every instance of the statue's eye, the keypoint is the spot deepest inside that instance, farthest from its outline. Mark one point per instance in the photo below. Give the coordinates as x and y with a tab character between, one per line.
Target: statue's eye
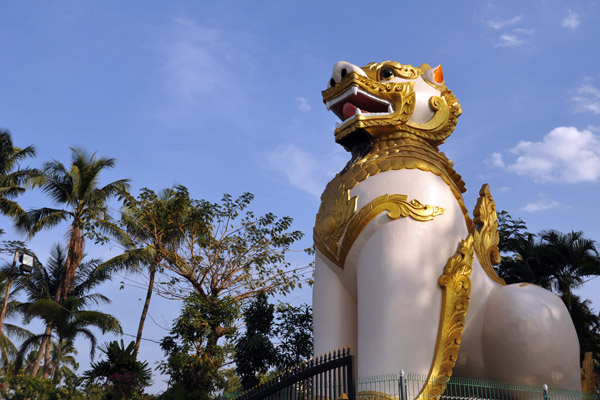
386	73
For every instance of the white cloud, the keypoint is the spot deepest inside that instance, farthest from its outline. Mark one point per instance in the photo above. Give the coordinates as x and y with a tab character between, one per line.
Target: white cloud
303	170
541	205
498	24
587	99
303	104
571	21
495	160
566	154
507	40
593	128
524	31
200	60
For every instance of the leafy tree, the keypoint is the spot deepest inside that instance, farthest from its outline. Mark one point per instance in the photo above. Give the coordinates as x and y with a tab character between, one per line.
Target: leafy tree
224	255
194	356
125	377
254	351
226	251
294	330
12	178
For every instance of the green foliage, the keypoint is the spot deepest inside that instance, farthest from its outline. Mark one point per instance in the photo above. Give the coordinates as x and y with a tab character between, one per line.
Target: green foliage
194	356
233	384
12	177
24	387
511	231
77	190
294	329
122	375
254	352
69	317
148	223
226	251
224	256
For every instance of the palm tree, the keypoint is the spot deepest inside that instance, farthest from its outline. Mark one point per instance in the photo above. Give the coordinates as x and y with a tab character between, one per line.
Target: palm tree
67	359
8	350
122	369
149	224
11	180
572	259
42	288
526	262
73	321
587	325
77	189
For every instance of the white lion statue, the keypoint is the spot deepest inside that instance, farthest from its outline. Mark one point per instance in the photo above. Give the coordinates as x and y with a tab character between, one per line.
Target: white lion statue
403	275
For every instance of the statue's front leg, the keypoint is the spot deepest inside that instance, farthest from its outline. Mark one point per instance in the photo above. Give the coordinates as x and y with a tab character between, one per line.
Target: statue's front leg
334	309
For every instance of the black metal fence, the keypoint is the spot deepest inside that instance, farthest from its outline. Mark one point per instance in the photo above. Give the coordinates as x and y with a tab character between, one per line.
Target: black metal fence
329	376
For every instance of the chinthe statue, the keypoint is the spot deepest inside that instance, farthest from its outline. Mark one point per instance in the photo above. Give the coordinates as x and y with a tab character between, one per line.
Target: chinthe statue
403	274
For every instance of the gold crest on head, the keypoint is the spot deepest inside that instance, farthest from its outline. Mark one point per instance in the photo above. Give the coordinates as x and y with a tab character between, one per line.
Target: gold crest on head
390	98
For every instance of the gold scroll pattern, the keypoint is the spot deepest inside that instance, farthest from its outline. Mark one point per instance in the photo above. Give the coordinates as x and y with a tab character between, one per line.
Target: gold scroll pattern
456	288
486	234
397	206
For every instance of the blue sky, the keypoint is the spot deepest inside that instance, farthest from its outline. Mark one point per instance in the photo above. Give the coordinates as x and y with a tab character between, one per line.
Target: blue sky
224	97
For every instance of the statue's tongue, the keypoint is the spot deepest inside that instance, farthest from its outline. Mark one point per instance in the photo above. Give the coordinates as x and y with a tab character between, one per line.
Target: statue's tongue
348	110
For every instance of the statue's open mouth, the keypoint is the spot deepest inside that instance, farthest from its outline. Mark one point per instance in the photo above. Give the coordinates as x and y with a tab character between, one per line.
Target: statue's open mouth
355	102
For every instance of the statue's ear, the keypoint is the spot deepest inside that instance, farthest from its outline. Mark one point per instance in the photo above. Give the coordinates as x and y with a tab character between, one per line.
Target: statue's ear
435	76
438	74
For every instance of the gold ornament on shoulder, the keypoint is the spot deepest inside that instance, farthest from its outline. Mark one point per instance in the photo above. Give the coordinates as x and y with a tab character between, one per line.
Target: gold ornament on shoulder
342	220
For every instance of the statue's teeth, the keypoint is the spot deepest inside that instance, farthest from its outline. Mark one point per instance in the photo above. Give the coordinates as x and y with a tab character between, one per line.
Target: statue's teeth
358	112
328	106
337	125
390	109
354	90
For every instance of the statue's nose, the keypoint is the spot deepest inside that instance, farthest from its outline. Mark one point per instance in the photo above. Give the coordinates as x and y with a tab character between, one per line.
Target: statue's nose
340	70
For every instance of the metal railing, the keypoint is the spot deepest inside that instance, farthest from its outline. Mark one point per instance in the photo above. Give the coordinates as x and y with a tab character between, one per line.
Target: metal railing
413	386
326	377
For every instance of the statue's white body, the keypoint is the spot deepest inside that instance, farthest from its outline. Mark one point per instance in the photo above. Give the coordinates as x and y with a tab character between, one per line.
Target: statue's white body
385	301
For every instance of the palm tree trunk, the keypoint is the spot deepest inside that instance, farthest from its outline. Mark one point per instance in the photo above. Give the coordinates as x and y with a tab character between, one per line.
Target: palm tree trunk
74	256
138	338
11	277
57	364
41	352
47	361
53	370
